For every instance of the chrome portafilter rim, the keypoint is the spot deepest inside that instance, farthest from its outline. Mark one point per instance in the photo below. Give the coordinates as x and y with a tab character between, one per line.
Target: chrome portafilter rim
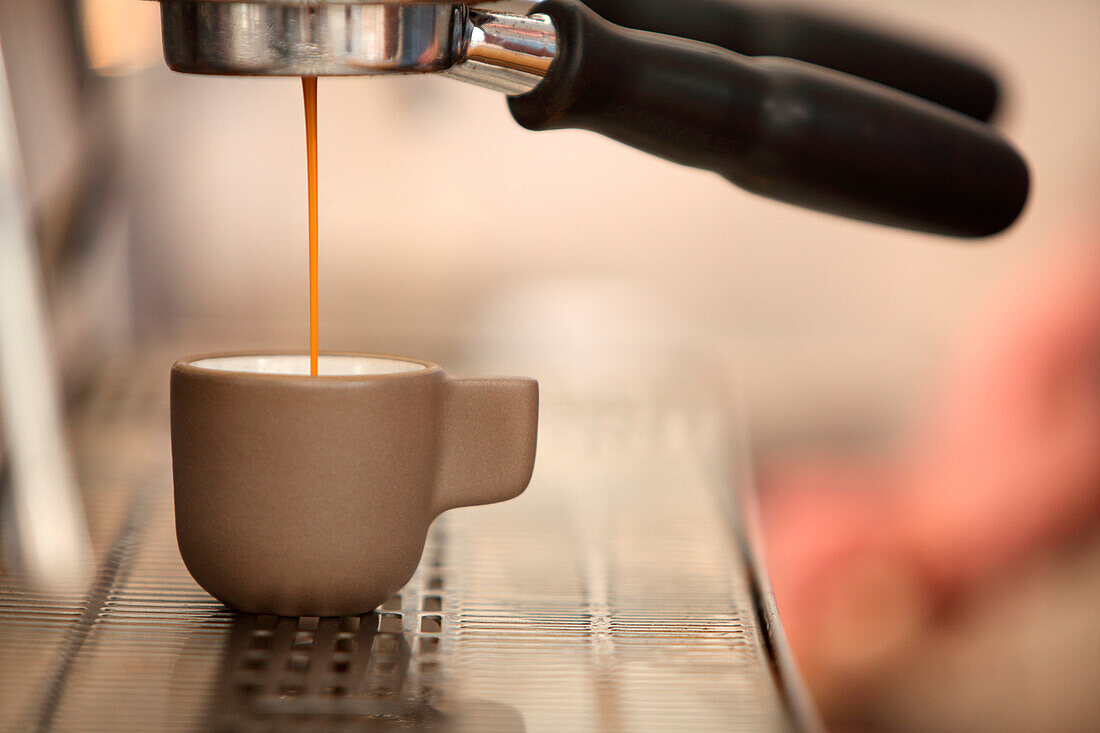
223	37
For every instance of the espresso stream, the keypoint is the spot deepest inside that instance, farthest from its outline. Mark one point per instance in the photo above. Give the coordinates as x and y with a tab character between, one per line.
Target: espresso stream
309	92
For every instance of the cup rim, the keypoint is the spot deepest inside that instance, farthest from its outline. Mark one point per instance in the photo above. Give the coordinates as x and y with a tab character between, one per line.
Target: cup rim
186	365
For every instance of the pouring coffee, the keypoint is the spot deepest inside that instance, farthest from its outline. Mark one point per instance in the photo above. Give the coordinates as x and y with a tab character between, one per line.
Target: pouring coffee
305	483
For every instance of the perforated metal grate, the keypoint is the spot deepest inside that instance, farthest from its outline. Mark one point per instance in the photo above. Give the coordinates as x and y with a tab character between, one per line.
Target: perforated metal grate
612	596
333	673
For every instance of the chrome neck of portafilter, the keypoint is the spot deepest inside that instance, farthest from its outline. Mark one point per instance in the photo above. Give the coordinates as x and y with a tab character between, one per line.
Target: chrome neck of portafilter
502	50
506	52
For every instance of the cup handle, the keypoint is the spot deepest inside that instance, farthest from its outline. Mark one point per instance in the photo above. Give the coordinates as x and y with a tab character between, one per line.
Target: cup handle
487	450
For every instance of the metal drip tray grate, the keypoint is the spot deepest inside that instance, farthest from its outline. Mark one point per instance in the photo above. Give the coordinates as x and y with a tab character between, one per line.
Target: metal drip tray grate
613	595
335	673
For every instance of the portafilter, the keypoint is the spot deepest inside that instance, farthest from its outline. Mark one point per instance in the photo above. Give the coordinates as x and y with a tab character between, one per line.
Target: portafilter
805	108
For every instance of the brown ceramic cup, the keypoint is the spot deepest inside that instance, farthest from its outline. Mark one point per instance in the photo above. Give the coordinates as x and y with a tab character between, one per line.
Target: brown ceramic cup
299	495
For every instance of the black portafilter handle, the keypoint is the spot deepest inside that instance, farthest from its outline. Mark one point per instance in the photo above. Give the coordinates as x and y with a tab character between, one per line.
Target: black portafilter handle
781	128
850	45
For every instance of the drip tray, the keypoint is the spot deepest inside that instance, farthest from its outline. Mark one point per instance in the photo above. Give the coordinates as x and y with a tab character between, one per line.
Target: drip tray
613	595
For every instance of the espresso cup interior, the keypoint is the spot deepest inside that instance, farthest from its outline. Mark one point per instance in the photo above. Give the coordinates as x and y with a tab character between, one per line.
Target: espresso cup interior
328	365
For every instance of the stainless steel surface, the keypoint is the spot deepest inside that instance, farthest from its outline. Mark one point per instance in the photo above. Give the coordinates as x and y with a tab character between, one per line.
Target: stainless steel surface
614	595
271	39
503	51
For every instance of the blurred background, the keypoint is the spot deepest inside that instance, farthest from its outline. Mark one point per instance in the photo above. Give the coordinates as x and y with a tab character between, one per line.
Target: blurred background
170	210
437	209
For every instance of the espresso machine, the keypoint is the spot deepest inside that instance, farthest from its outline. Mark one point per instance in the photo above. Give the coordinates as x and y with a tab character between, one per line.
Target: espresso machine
674	82
564	610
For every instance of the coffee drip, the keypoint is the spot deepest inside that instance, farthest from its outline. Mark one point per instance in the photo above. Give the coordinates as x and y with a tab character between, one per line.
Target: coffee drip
309	94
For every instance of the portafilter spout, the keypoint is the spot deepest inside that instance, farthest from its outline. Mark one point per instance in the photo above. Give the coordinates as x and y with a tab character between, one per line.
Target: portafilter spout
506	52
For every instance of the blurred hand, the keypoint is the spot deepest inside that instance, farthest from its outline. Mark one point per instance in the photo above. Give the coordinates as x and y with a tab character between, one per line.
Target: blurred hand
866	554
